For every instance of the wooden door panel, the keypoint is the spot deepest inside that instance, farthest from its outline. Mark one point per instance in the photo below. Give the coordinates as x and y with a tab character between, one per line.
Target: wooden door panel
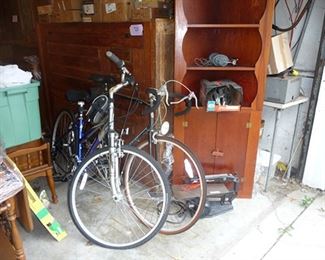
71	52
231	141
200	129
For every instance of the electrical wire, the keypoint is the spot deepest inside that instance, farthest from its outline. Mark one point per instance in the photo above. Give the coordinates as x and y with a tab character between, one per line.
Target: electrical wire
277	3
291	20
297	10
295	47
299	17
300	35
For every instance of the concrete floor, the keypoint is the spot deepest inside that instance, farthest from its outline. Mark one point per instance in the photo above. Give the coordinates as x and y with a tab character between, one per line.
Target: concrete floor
271	226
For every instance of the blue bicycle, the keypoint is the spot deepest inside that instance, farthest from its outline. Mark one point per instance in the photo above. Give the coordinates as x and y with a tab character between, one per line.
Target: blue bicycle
75	135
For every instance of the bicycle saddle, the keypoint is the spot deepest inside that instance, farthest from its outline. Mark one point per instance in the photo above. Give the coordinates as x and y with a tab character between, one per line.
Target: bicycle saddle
74	95
108	80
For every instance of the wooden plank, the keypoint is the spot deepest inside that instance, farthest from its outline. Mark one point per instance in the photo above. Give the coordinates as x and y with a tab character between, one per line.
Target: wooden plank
72	49
70	53
74	61
164	40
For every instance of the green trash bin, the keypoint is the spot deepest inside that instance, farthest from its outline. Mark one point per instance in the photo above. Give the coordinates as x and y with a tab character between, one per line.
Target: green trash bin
19	114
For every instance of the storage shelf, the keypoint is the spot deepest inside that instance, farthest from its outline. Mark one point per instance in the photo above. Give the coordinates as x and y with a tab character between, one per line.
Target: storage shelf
238	30
223	25
221	68
223	11
228	41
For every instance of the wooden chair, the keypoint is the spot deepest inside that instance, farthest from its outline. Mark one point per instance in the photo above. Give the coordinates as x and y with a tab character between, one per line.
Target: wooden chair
35	161
11	246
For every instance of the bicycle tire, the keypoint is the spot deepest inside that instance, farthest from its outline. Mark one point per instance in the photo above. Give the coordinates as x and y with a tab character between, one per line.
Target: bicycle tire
182	190
63	145
117	227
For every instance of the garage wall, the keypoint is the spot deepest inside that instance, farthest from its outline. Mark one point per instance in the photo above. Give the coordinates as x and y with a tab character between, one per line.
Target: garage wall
305	64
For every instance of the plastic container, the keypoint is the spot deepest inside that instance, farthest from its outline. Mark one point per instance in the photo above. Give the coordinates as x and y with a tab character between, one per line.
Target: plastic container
19	114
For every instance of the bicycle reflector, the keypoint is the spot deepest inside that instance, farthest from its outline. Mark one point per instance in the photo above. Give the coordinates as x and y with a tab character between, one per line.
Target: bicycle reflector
164	129
98	109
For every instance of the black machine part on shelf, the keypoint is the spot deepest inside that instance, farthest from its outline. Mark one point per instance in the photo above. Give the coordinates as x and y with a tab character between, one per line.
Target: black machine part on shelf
222	190
222	92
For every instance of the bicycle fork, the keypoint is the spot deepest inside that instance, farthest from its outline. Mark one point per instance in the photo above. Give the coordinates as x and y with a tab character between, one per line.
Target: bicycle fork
114	166
115	148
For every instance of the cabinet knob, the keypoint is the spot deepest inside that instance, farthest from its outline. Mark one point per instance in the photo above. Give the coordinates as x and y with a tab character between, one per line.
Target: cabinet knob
217	153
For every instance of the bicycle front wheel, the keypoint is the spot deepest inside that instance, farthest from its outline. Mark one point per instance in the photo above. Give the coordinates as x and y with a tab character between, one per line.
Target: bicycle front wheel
63	145
111	222
187	180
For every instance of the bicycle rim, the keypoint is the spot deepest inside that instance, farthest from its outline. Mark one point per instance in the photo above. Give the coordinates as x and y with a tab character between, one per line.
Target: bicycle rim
113	224
62	144
187	180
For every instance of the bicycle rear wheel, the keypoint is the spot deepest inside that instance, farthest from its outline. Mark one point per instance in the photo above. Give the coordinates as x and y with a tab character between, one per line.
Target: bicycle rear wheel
63	145
112	223
187	179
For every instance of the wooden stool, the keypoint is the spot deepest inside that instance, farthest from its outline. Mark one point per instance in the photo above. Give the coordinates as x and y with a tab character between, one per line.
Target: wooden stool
34	160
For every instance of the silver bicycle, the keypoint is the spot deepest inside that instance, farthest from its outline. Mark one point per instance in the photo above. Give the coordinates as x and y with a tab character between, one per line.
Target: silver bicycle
115	185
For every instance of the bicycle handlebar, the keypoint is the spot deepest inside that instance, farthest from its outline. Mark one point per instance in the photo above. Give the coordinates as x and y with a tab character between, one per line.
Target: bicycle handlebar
157	94
119	63
188	104
126	76
162	91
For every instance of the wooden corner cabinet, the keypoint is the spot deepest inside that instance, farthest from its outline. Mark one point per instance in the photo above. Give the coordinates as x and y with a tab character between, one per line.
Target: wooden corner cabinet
224	141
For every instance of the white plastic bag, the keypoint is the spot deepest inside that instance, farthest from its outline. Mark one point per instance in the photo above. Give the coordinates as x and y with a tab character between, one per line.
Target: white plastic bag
11	75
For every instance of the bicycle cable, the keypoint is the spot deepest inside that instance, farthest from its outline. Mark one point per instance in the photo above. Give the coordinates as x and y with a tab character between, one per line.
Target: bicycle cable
190	96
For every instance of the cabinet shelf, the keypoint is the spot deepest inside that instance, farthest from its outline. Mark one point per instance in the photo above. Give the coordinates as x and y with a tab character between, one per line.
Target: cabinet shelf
221	68
223	11
246	79
223	25
247	49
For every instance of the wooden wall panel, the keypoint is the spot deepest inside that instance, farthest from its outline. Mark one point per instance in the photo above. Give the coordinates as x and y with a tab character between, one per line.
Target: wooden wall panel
70	53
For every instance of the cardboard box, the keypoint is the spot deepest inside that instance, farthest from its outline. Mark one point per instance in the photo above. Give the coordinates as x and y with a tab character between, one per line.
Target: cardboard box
146	14
148	3
44	13
66	16
280	54
65	5
44	9
116	10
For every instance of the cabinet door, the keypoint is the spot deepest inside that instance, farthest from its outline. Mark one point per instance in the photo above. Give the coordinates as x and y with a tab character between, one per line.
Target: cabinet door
231	142
200	136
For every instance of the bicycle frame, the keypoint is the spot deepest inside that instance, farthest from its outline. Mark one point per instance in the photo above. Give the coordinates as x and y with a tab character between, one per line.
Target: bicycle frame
149	129
82	136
